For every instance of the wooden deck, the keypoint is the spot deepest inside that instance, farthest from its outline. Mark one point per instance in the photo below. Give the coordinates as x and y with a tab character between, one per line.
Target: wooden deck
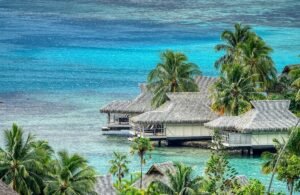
159	137
116	126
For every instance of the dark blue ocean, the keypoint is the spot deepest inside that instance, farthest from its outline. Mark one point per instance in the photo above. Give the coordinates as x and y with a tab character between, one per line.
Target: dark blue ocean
60	61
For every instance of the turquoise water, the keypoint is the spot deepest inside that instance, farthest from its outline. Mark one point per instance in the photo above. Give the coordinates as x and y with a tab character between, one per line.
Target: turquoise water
60	61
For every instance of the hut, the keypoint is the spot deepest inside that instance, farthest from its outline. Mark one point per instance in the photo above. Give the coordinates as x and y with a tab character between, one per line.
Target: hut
258	127
104	185
6	190
157	172
119	113
180	118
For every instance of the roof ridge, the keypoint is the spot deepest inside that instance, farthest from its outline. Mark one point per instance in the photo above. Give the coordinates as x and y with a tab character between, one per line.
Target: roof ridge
271	104
252	118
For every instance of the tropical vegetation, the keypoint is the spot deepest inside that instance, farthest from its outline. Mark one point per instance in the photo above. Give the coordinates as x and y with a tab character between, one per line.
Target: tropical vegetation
173	74
119	167
233	91
247	57
285	162
287	87
181	181
29	166
232	40
20	161
244	47
141	146
71	174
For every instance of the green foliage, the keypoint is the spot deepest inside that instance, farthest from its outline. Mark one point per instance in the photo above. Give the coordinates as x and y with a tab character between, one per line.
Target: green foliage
286	162
257	60
119	167
71	175
22	161
288	87
232	93
219	175
289	94
141	146
181	182
255	187
295	77
289	171
271	158
127	183
232	40
173	74
246	48
293	144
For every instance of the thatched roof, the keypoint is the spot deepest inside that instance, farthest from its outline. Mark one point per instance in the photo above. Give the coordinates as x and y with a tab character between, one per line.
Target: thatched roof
104	185
142	103
242	180
6	190
157	172
204	83
267	115
183	107
115	106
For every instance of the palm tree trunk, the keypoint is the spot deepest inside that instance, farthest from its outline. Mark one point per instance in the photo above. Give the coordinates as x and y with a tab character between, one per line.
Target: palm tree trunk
236	107
141	181
279	156
291	188
14	184
120	178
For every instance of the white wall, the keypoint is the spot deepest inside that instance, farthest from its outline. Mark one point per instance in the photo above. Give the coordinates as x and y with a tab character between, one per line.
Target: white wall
187	130
267	139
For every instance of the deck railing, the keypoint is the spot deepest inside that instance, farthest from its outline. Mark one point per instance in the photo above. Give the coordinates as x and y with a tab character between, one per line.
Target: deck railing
151	131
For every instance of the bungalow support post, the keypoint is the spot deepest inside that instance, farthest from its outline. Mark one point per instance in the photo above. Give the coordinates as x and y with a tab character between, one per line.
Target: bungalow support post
108	118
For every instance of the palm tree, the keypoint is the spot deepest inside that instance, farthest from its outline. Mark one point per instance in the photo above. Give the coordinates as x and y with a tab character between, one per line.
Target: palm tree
284	151
141	146
295	75
71	175
232	40
270	158
21	161
293	144
256	57
119	167
181	182
173	74
232	93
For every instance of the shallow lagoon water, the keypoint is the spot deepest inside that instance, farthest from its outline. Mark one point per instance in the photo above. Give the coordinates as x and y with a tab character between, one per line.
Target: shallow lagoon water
60	61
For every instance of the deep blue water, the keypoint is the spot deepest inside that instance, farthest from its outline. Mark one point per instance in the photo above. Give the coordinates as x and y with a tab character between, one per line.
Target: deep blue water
60	61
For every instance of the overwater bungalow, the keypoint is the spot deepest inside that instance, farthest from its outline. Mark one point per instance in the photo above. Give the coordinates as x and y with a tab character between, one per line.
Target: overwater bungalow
179	119
256	128
119	113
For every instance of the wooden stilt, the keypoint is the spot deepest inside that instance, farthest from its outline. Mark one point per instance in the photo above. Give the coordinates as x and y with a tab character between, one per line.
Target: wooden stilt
251	151
108	118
